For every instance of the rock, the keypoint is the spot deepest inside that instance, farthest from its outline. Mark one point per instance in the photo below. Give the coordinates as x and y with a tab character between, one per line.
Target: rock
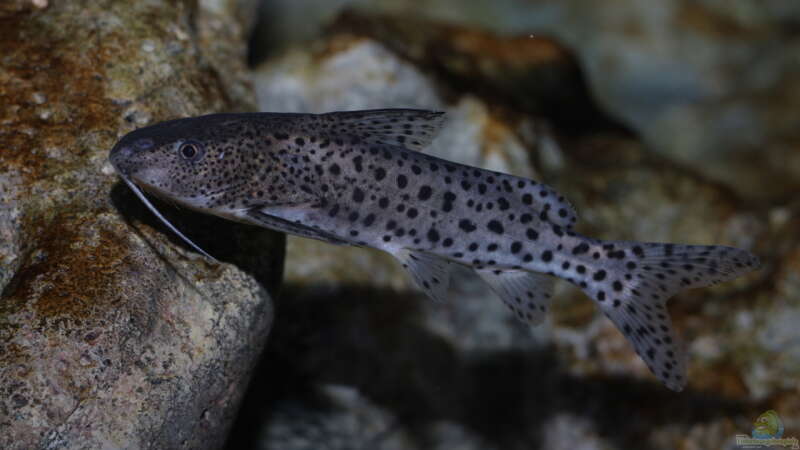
707	84
339	417
533	74
13	7
716	108
334	417
112	333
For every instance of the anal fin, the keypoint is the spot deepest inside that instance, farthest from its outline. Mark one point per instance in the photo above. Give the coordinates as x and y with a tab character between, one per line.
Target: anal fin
431	273
527	294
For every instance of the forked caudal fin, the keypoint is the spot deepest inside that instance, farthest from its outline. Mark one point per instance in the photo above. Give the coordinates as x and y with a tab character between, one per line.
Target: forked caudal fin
636	279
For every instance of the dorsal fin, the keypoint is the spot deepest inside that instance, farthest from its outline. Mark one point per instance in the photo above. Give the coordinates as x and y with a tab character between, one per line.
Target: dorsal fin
413	129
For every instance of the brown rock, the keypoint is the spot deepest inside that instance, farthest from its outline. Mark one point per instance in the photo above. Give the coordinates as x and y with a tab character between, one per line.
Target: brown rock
533	73
111	335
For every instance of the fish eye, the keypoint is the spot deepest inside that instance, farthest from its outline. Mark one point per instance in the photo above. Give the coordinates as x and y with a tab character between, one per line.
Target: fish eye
190	150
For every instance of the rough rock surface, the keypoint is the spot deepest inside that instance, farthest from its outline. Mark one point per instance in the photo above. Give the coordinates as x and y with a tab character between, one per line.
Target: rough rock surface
711	84
350	317
112	333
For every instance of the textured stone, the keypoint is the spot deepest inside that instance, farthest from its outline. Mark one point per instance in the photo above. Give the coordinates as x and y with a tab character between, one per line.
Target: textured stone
112	335
709	84
333	417
533	74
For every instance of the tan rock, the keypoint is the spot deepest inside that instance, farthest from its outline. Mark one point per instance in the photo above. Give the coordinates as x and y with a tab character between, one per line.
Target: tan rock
111	335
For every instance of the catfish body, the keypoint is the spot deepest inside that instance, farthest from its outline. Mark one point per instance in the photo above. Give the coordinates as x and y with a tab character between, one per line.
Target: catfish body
358	178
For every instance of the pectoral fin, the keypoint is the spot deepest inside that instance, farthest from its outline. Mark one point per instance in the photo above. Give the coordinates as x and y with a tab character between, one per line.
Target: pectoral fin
261	218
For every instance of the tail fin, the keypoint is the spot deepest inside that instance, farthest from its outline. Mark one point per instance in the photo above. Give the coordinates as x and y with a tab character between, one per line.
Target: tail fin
631	281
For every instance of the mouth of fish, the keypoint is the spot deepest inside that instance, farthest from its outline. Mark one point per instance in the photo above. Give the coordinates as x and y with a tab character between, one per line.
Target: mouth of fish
152	189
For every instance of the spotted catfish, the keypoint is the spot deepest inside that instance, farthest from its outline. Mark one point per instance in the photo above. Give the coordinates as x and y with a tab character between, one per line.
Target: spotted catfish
358	178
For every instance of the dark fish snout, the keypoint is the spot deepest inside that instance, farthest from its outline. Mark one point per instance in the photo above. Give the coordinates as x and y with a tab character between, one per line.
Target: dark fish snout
123	153
119	155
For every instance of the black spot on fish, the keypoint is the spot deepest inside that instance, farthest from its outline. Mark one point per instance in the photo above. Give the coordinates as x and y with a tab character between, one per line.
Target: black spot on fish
449	197
467	225
599	275
358	195
495	226
527	199
580	248
424	193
